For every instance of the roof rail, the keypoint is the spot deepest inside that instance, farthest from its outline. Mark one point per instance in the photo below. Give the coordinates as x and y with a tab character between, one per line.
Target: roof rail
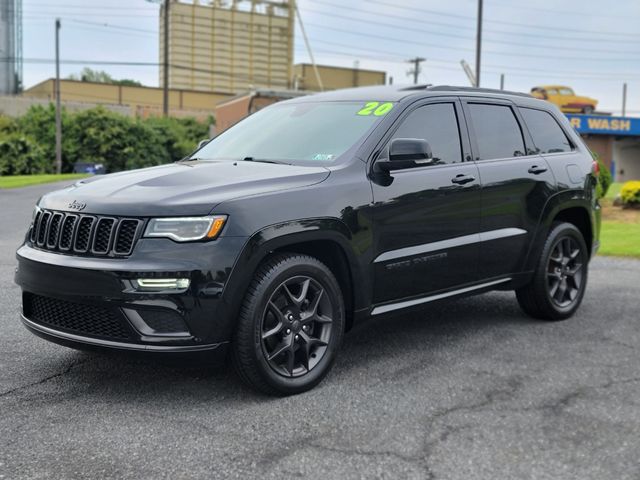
423	86
451	88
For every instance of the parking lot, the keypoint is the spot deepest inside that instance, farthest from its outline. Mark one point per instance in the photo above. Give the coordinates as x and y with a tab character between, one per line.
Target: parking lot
466	389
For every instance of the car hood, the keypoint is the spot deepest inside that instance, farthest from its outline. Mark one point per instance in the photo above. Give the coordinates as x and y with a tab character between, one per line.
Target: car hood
184	188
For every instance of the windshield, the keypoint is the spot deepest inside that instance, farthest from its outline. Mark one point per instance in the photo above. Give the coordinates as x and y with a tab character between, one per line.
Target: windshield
302	133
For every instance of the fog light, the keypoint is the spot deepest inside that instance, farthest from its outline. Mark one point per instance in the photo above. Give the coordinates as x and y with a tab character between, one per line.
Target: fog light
161	284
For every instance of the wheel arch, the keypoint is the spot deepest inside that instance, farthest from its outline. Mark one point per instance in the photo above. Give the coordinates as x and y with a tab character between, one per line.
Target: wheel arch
564	207
327	239
579	217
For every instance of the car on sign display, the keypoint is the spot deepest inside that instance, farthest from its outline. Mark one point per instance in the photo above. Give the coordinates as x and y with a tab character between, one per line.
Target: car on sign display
273	239
565	99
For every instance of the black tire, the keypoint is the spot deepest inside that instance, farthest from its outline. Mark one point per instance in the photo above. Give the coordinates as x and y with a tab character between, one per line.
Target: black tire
560	279
587	110
280	314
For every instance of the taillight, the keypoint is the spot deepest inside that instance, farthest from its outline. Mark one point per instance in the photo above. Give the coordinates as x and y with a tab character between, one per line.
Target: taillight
595	168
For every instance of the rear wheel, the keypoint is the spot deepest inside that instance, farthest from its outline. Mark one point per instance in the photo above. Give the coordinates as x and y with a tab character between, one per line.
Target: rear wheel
290	327
587	110
560	279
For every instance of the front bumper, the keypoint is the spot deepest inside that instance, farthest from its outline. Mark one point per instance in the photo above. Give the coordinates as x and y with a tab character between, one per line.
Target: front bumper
85	301
79	341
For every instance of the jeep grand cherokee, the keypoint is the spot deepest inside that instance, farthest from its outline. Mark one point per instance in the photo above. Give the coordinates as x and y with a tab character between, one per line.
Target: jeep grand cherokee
272	239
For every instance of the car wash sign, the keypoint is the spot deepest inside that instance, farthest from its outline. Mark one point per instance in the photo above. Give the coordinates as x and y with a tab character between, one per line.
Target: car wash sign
605	125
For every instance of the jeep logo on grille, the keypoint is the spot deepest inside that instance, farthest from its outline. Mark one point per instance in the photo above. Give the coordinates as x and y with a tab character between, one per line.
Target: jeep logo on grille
77	206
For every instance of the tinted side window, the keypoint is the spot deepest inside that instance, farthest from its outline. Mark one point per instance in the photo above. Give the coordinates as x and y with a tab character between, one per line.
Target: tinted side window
437	124
547	134
498	133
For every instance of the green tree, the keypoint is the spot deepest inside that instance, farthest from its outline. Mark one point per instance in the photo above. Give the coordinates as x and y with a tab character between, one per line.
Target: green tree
39	123
118	142
20	154
100	76
96	135
180	135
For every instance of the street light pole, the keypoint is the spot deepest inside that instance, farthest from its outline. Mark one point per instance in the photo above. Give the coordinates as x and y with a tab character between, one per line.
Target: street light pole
478	43
58	107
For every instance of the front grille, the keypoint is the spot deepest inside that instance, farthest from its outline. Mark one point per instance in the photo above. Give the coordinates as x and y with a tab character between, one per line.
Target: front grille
84	234
66	235
102	238
79	318
125	237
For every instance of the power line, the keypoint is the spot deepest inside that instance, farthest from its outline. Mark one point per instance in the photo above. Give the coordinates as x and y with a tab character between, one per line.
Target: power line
573	13
457	26
466	37
109	25
94	7
500	22
466	49
398	57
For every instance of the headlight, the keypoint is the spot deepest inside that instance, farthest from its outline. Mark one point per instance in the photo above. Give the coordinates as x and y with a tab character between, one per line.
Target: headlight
186	229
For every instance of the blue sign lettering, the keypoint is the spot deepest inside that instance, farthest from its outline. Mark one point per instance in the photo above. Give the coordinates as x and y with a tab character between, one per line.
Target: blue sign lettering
605	125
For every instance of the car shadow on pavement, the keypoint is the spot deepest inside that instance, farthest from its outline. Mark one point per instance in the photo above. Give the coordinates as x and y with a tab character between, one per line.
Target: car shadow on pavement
399	338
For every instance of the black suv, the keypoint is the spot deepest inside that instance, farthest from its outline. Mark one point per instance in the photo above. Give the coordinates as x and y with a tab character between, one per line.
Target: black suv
277	235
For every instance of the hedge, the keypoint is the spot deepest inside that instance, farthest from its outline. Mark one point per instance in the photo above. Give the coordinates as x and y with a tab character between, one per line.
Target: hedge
27	144
630	193
605	179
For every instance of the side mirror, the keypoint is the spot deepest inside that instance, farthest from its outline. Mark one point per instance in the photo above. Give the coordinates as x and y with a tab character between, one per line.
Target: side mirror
406	153
202	143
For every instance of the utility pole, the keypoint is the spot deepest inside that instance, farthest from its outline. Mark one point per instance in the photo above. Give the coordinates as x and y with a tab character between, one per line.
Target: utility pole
58	108
624	99
415	71
478	43
502	81
165	86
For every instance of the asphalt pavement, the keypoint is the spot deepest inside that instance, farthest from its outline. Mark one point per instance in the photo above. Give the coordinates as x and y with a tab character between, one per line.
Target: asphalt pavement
467	389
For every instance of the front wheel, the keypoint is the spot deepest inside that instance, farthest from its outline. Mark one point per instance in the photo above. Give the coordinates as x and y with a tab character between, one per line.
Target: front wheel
560	278
290	326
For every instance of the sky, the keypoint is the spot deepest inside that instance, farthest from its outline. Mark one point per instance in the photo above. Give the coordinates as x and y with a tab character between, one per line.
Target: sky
590	45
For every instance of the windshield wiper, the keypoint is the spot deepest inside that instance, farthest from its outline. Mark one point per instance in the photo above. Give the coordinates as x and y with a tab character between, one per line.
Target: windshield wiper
262	160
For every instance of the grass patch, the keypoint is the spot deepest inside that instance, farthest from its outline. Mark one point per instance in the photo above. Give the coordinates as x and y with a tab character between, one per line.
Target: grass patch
620	239
17	181
614	190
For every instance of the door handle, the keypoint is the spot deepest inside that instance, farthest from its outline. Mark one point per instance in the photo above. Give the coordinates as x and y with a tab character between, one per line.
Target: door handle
536	170
461	179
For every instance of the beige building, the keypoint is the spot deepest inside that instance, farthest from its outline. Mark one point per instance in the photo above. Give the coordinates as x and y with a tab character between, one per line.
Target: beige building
334	78
229	45
143	101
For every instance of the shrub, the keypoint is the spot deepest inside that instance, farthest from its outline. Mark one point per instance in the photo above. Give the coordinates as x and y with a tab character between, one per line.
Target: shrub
630	193
7	124
20	154
116	141
96	135
604	179
180	135
40	124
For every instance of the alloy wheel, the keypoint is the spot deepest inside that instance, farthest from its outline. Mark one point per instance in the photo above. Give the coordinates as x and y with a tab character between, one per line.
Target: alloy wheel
296	326
564	272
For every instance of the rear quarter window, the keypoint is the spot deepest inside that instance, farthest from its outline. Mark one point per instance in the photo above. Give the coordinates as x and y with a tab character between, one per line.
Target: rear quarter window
497	131
547	135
